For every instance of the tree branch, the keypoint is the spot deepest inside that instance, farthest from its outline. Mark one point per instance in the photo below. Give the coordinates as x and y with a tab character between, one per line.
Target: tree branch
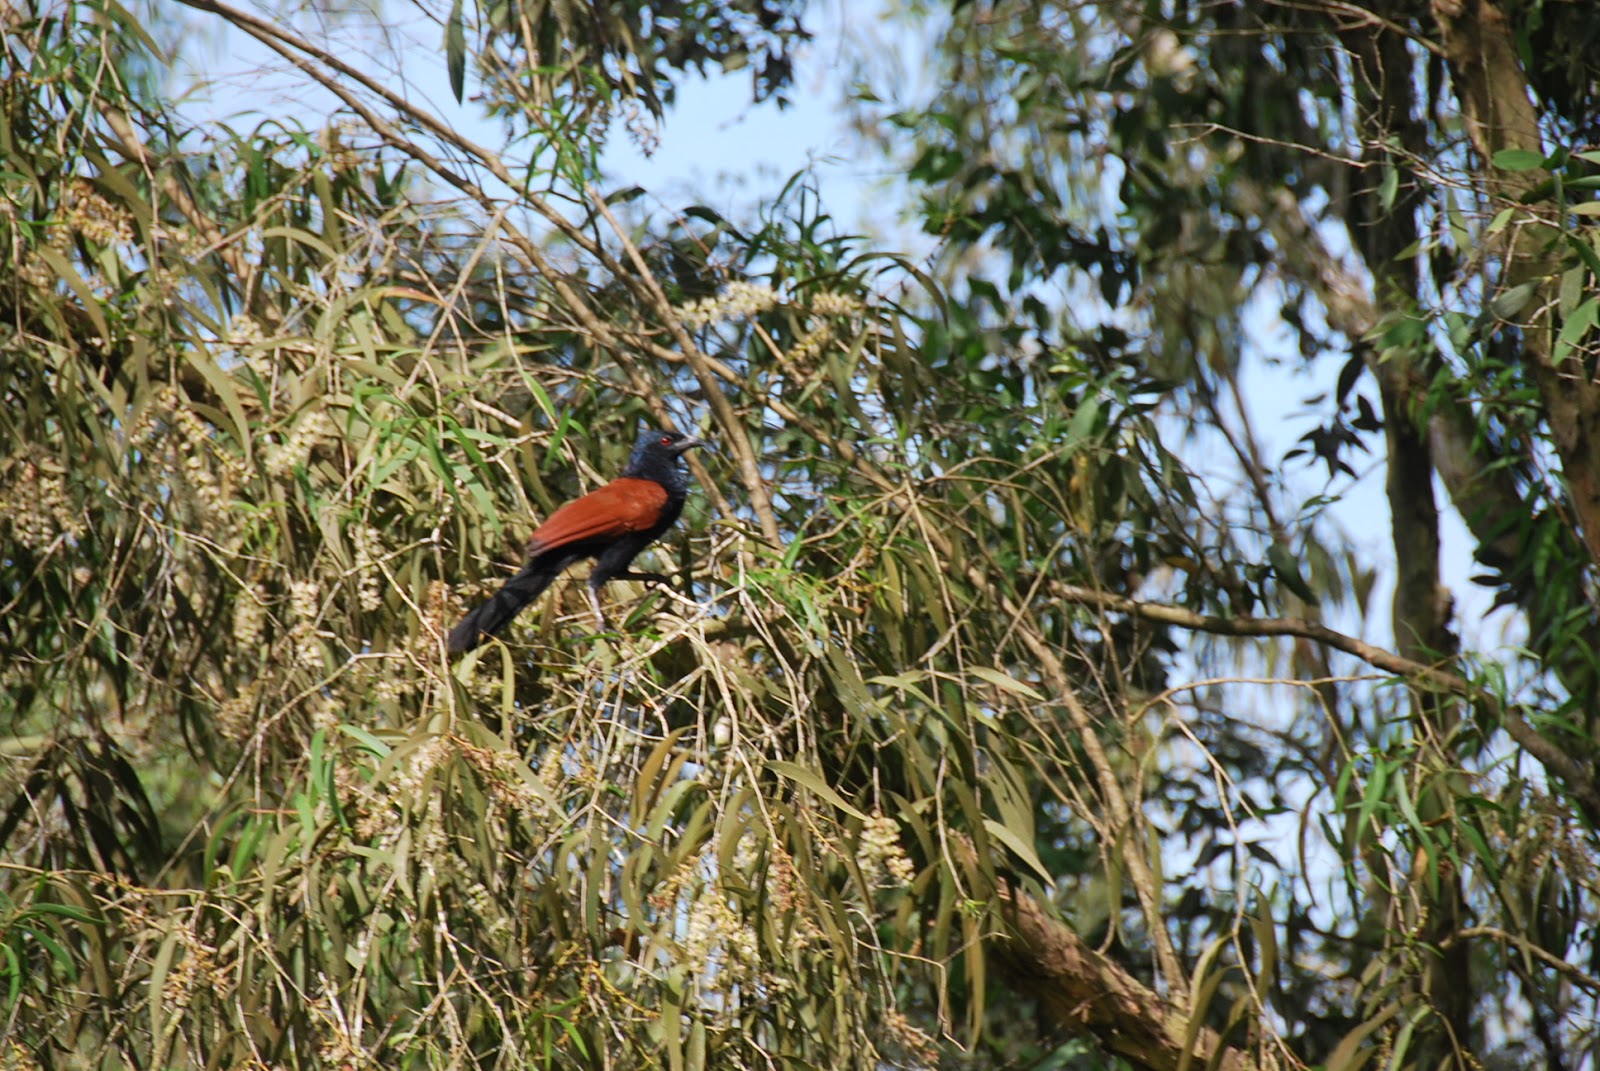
1552	756
739	443
1083	990
1123	817
1500	114
305	55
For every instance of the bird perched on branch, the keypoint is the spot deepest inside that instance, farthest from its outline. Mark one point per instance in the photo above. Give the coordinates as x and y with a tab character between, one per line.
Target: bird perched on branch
611	524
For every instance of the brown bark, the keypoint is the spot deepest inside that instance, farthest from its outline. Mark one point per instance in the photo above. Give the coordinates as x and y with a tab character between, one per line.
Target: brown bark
1384	69
1482	492
1082	991
1499	112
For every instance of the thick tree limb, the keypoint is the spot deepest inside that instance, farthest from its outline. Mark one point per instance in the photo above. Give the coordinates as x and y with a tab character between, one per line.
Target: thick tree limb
1083	991
1500	114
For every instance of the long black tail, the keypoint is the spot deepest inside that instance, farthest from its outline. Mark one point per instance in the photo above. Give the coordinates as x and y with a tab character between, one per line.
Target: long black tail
505	604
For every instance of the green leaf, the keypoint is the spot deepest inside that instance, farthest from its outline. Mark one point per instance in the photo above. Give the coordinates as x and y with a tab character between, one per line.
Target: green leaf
1020	848
1353	1052
1287	569
1510	302
1005	683
1575	328
365	739
1402	1040
158	976
1571	289
1371	798
1518	160
1389	187
13	975
1082	425
811	780
1468	829
76	914
1585	252
86	295
455	50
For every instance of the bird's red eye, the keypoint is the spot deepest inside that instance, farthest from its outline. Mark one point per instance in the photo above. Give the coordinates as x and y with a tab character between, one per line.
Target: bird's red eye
666	440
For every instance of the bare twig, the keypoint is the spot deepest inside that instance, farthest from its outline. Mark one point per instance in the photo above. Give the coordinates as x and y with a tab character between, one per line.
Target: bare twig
1547	752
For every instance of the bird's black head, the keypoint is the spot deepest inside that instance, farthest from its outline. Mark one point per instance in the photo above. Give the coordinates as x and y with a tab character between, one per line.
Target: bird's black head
655	456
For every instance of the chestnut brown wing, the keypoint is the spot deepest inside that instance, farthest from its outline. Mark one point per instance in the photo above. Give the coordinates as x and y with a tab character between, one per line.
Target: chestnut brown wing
621	506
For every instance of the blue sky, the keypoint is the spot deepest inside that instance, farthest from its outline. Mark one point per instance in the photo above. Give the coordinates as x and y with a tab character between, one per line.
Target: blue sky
715	147
712	144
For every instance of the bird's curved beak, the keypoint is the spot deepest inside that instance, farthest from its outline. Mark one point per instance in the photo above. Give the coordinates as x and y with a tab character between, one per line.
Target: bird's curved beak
684	445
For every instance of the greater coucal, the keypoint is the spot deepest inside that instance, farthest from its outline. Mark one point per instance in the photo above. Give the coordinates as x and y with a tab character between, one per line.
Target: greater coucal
610	524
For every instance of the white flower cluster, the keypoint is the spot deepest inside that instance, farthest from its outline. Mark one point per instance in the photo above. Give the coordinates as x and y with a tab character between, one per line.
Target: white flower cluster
195	448
505	780
304	596
312	429
81	212
389	688
430	839
480	901
249	618
552	768
325	715
776	872
738	299
829	303
743	299
243	330
718	945
805	352
338	1044
33	498
169	428
409	777
191	973
235	718
369	582
99	221
879	854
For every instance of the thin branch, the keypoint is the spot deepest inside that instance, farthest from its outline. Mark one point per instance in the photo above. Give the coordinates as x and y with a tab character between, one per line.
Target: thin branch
739	444
1551	755
1588	981
297	50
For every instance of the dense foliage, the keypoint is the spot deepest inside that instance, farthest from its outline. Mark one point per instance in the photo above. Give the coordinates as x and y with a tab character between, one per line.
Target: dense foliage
1019	704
